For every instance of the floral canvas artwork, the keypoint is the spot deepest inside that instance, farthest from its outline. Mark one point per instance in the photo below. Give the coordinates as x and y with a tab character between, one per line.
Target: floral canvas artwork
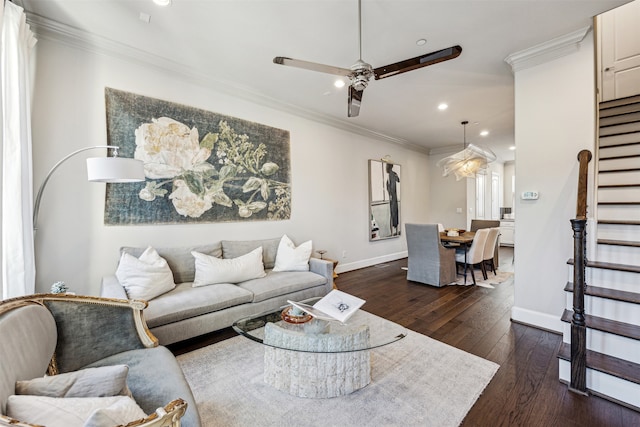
199	166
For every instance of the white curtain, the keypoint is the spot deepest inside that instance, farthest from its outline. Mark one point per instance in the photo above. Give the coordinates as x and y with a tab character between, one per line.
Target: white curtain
18	261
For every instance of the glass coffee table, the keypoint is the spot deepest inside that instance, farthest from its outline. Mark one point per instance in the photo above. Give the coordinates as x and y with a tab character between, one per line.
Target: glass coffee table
318	359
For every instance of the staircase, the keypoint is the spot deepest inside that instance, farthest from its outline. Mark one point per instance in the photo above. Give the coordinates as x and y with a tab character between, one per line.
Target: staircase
612	273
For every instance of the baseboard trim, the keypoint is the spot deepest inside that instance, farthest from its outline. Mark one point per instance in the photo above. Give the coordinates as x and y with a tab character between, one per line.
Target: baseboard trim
537	319
356	265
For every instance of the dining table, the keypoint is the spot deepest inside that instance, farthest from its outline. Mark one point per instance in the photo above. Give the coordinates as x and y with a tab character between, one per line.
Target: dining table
463	241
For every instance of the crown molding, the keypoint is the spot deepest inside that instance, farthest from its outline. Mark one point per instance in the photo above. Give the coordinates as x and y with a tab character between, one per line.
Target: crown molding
48	29
547	51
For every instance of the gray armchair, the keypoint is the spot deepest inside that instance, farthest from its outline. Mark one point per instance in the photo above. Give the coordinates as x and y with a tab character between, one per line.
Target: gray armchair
429	261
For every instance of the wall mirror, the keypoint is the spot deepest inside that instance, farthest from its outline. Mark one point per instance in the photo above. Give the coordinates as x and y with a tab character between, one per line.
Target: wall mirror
384	200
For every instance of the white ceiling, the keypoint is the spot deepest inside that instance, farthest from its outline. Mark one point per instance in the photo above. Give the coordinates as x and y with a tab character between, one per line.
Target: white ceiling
233	42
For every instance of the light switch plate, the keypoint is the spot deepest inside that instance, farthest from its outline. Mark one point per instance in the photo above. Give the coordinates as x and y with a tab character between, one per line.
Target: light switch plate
529	195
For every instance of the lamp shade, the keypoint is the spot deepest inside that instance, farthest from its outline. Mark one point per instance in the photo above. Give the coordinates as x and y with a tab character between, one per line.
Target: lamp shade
114	169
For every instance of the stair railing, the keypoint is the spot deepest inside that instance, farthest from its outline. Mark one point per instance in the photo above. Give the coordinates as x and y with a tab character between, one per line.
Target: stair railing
578	382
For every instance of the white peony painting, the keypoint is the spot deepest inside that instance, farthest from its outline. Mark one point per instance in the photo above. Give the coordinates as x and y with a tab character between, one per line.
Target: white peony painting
199	166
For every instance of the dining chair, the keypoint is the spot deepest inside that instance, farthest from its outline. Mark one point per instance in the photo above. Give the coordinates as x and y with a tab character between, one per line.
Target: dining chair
429	262
473	255
477	224
490	249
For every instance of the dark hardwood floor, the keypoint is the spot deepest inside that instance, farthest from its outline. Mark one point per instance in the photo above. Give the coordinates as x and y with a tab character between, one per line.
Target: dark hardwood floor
524	392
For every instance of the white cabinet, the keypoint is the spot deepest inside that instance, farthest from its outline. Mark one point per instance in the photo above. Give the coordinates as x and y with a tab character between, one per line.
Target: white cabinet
507	233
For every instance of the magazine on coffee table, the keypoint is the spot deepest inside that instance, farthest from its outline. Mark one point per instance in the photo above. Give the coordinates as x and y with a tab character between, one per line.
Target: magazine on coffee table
336	305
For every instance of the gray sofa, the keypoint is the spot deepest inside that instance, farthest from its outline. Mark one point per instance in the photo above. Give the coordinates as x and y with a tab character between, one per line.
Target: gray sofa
187	311
57	334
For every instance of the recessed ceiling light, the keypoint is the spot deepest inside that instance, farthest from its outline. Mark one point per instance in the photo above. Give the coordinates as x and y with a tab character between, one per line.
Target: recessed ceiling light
442	106
484	133
513	147
421	42
339	83
162	2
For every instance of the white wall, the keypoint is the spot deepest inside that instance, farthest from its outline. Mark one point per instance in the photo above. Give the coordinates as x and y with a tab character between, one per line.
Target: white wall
329	174
509	172
446	196
555	119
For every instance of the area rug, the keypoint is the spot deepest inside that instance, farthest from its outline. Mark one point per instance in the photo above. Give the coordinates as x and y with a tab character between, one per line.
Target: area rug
492	280
416	381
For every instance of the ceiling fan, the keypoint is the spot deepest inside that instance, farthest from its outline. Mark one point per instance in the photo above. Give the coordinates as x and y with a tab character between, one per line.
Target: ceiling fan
360	72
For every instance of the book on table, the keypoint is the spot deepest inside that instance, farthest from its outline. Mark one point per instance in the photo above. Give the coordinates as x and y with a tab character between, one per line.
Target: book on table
336	305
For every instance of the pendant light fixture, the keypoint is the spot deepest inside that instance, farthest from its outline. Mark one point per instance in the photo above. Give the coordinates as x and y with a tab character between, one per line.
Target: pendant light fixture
469	162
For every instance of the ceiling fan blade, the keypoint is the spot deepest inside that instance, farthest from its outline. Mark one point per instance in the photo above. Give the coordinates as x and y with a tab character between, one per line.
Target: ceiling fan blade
355	99
312	66
417	62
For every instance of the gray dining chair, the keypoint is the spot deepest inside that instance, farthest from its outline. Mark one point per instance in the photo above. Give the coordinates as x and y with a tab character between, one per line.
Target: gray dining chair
429	262
474	255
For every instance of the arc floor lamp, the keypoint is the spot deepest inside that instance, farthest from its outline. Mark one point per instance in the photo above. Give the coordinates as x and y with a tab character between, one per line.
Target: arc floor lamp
99	169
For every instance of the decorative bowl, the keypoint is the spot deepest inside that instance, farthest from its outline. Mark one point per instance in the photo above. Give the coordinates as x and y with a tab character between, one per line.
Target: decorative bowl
292	318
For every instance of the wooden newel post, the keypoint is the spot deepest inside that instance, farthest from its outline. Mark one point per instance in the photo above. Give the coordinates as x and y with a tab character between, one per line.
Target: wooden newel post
578	326
584	157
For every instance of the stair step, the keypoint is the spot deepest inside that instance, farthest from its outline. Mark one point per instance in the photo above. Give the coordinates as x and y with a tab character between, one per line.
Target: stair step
626	156
620	170
620	110
610	266
609	365
628	140
606	325
612	294
619	243
619	203
618	102
617	222
621	117
618	186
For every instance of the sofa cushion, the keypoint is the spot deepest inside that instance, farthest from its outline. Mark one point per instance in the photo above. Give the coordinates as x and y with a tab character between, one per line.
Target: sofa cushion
70	411
180	259
211	270
281	283
186	301
145	277
292	258
236	248
93	382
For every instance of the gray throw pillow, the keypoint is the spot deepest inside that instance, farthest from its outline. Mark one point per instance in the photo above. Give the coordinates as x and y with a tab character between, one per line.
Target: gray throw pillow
90	382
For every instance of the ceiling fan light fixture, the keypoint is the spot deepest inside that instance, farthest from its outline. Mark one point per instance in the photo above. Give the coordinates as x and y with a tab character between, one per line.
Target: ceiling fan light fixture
361	72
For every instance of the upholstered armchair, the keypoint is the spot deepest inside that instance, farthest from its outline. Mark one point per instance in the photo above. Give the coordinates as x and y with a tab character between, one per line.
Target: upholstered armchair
76	340
429	262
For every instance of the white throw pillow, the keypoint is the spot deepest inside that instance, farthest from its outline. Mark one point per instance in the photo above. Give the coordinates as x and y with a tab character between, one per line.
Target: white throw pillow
211	270
146	277
90	382
119	413
69	411
290	258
